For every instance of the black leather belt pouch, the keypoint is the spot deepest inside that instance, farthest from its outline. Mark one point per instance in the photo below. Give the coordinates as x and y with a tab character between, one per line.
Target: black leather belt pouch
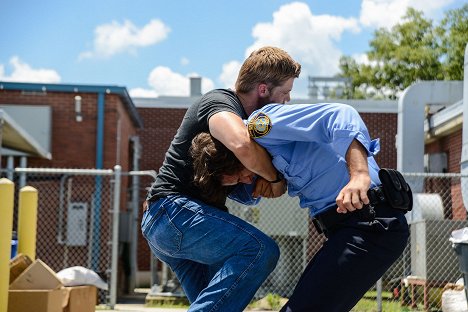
397	192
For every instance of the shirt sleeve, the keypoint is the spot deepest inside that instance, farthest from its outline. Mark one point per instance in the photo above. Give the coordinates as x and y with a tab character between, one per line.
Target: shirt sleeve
328	123
243	194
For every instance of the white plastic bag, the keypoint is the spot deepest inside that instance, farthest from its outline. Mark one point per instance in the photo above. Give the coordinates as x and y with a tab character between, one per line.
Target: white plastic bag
77	275
459	236
454	301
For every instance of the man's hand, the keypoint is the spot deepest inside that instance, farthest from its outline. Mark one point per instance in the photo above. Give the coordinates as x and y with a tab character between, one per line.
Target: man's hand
267	189
354	195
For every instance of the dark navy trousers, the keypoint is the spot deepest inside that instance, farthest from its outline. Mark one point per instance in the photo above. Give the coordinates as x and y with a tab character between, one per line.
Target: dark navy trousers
356	254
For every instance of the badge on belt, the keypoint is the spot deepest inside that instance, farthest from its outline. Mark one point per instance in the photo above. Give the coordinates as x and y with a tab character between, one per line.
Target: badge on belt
259	125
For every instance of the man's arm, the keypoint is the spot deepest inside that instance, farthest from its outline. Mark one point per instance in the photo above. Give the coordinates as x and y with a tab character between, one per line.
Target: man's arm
354	195
230	130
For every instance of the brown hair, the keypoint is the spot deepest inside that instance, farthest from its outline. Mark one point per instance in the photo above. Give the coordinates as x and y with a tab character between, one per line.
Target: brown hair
211	160
269	65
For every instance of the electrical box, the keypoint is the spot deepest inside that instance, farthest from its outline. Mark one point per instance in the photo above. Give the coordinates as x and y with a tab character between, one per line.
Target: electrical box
435	163
77	224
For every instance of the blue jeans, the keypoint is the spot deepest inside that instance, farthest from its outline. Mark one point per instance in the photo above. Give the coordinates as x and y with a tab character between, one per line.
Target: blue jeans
219	259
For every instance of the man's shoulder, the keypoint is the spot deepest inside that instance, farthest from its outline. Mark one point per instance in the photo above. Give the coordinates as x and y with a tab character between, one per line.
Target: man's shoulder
219	93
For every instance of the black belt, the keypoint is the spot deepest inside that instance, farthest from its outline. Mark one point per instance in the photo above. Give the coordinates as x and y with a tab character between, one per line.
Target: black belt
328	219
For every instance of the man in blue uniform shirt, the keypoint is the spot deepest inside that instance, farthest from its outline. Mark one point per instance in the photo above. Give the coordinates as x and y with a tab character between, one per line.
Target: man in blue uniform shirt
325	153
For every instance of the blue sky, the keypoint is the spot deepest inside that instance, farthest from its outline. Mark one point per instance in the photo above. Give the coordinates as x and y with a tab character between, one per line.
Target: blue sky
152	47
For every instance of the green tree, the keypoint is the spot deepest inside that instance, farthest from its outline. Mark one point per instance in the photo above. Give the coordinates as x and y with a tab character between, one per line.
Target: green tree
453	31
411	51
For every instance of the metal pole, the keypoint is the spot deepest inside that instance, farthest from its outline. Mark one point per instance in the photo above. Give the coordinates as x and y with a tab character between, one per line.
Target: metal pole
27	221
134	224
22	177
7	189
379	295
115	235
10	168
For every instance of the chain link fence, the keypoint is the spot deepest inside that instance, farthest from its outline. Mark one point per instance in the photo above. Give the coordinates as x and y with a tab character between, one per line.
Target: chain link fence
77	227
75	219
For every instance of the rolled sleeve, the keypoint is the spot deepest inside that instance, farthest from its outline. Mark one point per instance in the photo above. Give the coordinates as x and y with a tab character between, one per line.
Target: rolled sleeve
344	138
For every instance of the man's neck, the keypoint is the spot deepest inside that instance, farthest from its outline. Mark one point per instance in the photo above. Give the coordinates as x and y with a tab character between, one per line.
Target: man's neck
249	101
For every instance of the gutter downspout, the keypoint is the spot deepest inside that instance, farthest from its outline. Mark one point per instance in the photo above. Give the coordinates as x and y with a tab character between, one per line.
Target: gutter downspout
96	245
464	154
410	134
134	224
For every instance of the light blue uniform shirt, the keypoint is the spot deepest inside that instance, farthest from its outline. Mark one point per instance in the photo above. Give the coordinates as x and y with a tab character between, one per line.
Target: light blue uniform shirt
308	143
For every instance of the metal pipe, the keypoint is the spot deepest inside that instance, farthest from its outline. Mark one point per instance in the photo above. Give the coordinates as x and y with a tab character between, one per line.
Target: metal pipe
135	213
115	235
61	208
379	295
22	177
10	167
96	246
92	172
7	189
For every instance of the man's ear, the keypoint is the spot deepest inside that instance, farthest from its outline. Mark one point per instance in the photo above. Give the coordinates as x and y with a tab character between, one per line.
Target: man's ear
262	89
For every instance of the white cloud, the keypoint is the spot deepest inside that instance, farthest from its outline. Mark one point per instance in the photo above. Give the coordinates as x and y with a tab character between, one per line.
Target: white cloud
116	38
386	13
22	72
310	39
140	92
307	37
229	74
165	82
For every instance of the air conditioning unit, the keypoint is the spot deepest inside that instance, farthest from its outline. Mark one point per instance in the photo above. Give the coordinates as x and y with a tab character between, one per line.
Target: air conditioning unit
432	255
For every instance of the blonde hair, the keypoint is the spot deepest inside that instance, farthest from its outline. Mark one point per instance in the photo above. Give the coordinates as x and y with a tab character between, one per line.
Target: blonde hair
269	65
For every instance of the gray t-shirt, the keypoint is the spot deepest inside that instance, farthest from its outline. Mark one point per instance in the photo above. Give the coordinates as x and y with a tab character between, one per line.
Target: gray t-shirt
176	174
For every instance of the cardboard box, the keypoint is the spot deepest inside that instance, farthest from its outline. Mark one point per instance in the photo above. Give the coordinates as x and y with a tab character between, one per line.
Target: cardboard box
38	276
80	299
17	266
35	300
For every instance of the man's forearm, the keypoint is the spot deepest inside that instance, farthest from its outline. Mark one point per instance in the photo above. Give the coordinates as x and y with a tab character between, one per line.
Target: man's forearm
356	158
255	158
354	195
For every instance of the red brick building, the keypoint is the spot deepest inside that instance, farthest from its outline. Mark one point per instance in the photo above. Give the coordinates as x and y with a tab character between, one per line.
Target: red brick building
84	127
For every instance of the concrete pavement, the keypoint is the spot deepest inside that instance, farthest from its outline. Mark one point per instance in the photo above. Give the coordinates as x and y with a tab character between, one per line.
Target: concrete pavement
131	307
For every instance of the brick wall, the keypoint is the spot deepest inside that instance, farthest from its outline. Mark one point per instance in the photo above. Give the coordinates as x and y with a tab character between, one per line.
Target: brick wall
383	126
160	126
73	143
452	146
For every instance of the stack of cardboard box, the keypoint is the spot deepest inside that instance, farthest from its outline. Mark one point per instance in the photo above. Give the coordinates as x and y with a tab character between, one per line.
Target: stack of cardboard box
35	287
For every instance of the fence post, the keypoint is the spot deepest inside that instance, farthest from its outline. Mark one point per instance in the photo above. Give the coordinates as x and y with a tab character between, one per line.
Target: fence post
27	221
115	235
7	189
